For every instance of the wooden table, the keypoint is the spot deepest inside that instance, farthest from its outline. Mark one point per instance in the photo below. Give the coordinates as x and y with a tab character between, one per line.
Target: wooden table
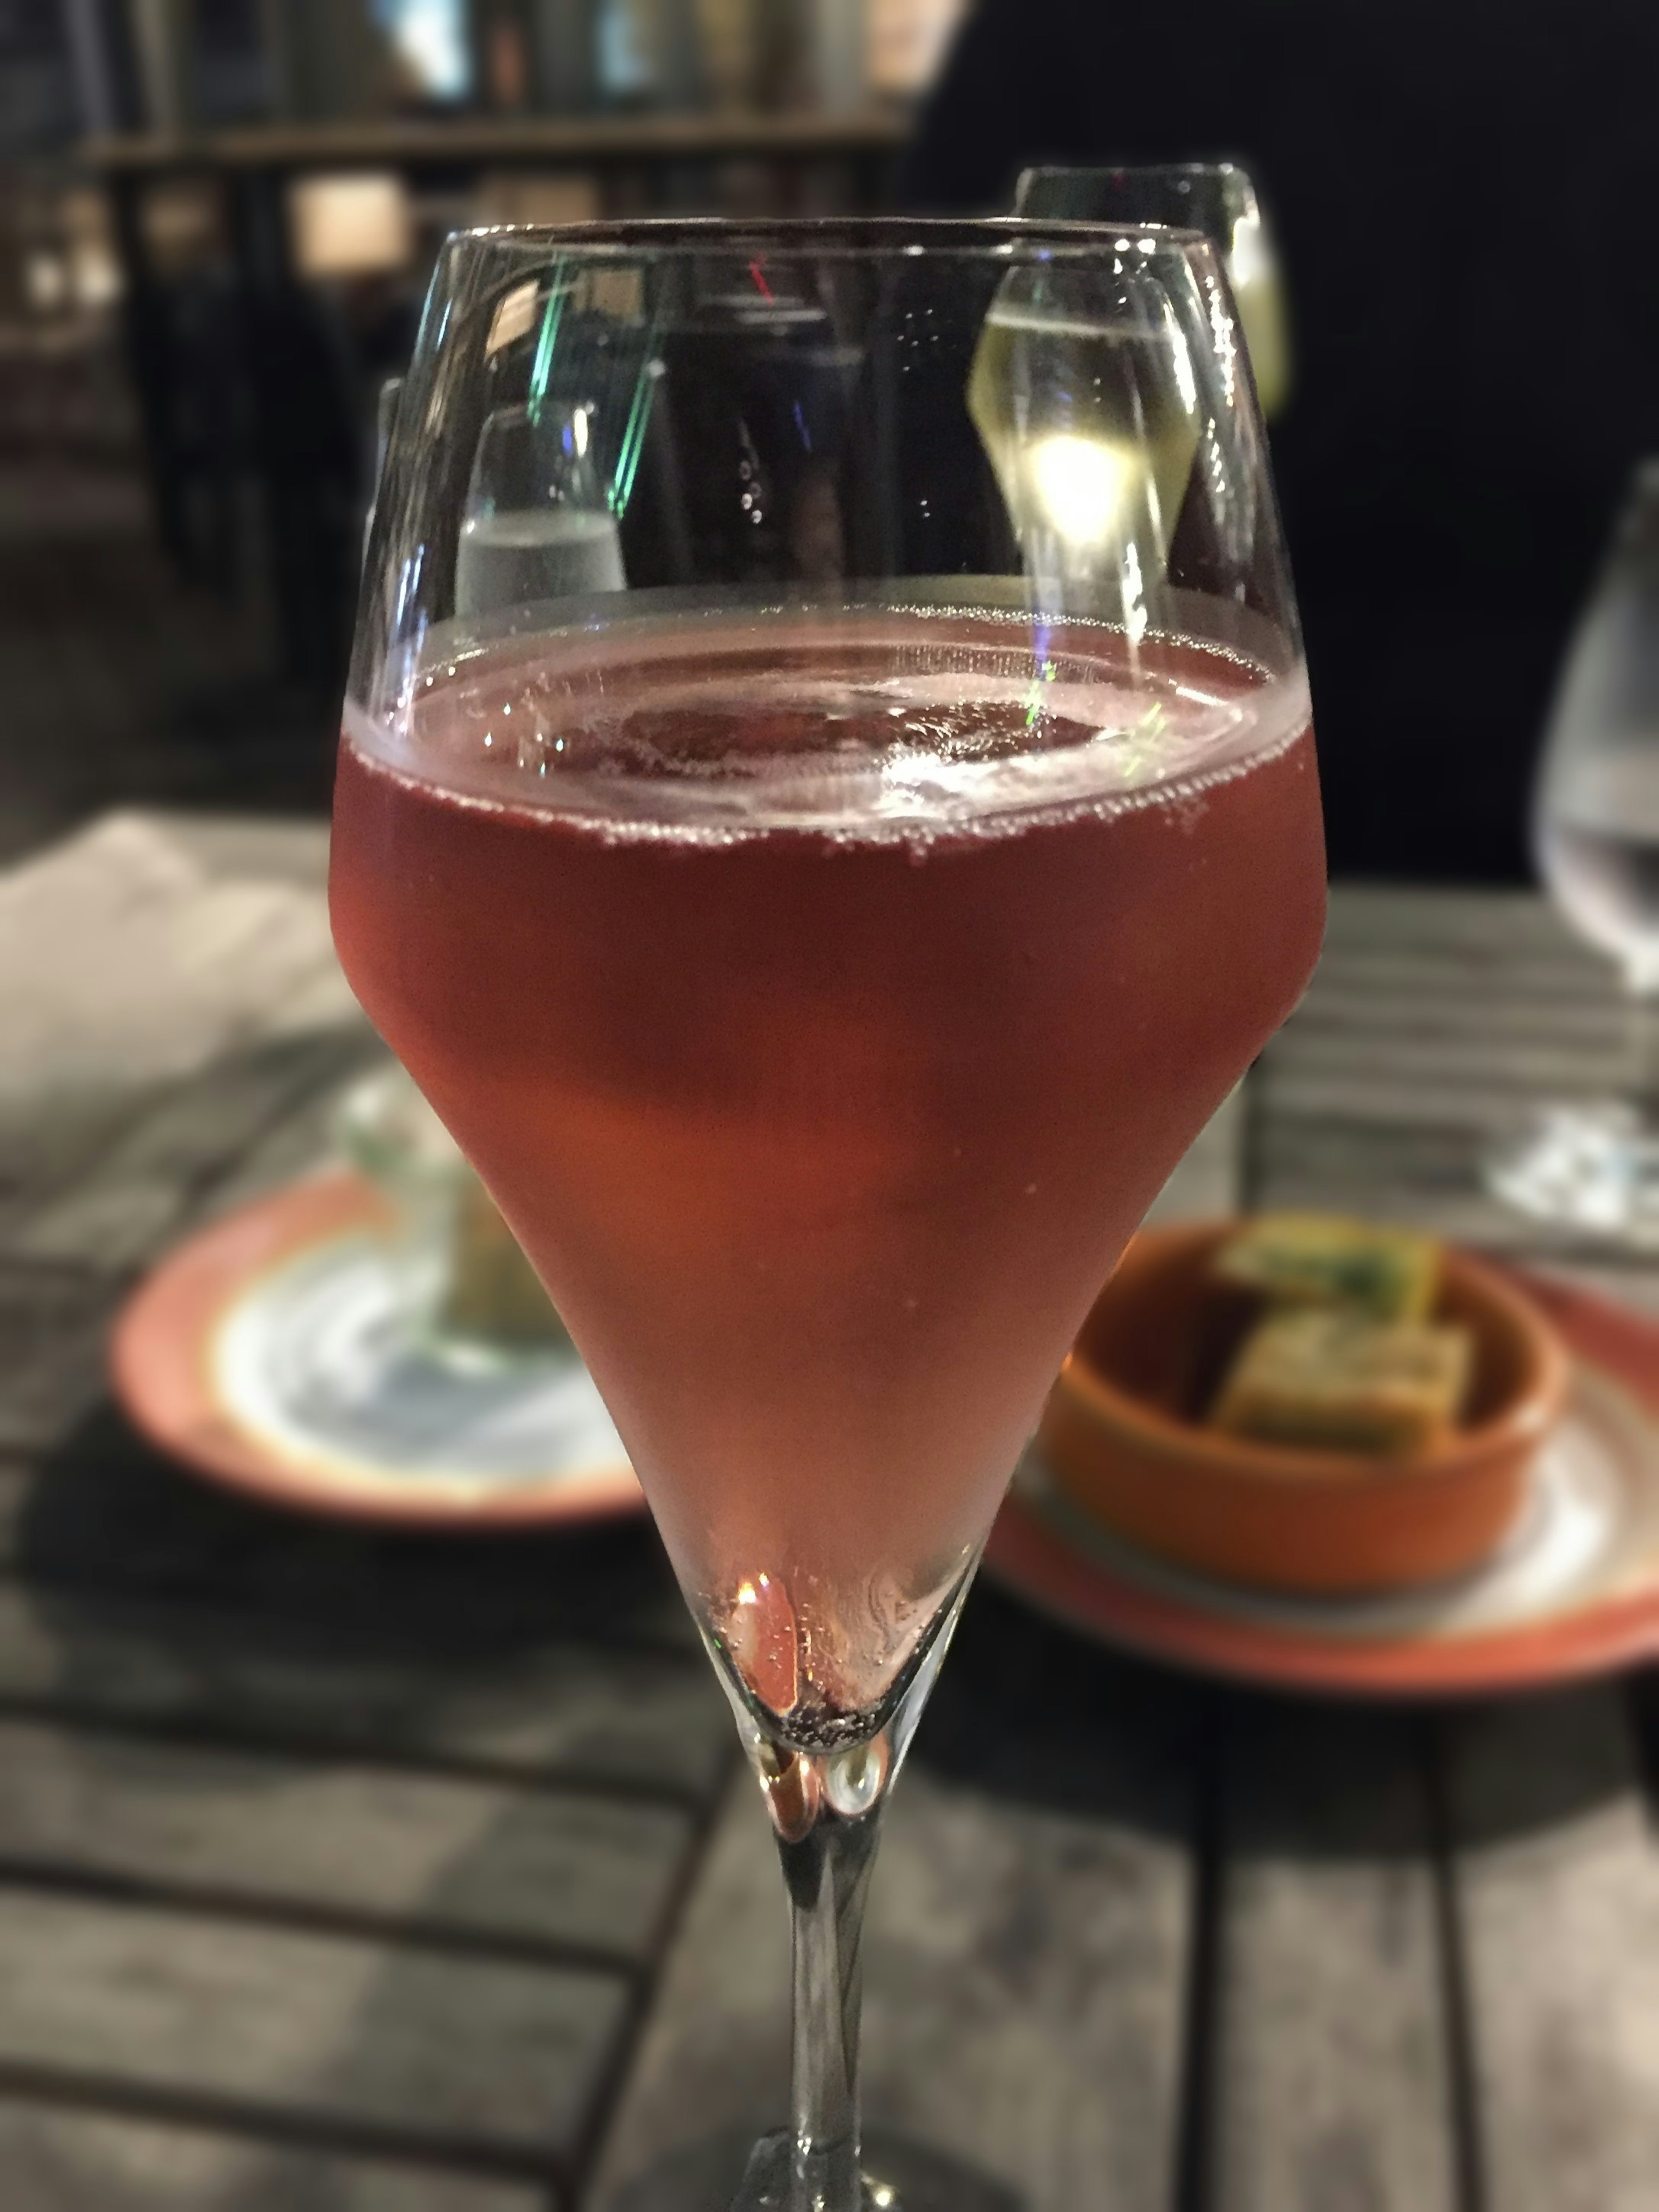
373	1875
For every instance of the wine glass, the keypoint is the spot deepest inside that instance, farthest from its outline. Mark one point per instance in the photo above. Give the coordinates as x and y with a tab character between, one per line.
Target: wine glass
825	947
536	525
1214	196
1595	1165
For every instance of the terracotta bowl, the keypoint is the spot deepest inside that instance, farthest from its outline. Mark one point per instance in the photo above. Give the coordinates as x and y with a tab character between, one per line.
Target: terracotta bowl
1122	1433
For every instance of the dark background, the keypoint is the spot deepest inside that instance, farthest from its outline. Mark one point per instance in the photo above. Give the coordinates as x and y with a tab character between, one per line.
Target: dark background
1463	196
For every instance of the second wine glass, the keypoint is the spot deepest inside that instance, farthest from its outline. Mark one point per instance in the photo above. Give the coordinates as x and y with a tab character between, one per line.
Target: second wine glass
1215	197
1594	1164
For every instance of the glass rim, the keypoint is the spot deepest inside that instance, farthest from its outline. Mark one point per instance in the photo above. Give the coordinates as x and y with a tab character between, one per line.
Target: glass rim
1227	167
854	238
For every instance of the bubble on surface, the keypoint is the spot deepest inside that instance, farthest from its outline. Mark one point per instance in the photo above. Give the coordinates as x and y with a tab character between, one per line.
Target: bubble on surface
901	727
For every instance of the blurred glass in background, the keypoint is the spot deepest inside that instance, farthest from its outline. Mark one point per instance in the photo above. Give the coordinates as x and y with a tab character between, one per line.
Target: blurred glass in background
1594	1165
1453	198
1216	198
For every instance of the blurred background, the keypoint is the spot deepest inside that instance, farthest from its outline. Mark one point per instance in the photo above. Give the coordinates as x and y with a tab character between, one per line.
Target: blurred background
217	218
342	1859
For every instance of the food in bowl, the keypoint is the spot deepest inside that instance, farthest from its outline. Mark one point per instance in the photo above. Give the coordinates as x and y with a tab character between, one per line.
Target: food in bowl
1328	1259
1344	1357
1128	1433
1339	1381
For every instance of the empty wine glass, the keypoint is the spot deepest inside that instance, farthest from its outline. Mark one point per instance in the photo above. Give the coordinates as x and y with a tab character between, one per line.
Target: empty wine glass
1216	198
1594	1165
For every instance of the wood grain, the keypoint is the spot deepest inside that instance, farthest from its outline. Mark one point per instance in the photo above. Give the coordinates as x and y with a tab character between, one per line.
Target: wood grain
53	1326
1434	1020
260	1832
55	2159
714	2060
623	1720
1558	1887
1331	2078
1026	1953
461	2058
140	1194
330	1861
106	1511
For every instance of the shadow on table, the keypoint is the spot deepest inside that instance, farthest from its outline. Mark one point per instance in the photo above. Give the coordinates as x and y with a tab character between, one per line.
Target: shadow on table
105	1512
144	1599
1026	1711
1029	1710
271	1717
389	1630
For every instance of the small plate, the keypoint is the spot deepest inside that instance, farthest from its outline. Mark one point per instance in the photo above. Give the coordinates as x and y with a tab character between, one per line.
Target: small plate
270	1353
1573	1590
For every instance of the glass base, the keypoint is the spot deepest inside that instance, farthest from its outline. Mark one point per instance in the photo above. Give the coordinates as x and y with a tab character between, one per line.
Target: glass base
732	2173
1593	1167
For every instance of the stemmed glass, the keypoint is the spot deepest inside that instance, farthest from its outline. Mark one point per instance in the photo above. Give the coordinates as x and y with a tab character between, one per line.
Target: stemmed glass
1595	1165
824	944
537	525
1216	198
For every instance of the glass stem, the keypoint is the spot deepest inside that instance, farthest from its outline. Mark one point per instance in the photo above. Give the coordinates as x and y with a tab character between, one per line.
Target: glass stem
827	1862
826	1807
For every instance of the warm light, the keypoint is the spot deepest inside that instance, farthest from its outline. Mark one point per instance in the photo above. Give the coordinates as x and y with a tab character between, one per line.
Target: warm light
1079	485
514	317
351	226
905	43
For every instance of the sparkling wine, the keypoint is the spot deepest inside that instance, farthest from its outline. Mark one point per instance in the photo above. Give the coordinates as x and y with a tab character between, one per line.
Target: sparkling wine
823	1001
1090	432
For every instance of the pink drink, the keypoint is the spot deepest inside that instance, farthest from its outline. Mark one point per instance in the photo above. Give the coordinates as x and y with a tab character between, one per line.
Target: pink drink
823	1004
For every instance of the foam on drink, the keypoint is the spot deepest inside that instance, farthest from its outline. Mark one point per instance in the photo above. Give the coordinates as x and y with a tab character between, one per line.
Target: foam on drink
879	726
823	1002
